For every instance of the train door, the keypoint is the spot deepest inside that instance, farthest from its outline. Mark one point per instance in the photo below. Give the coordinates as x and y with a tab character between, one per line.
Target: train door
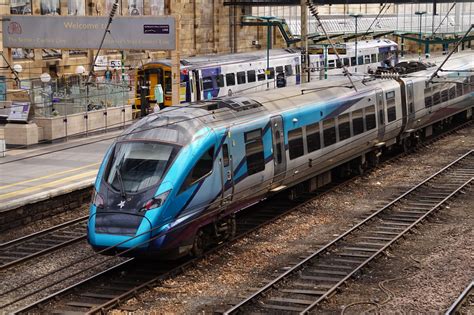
410	101
279	156
381	114
197	84
227	173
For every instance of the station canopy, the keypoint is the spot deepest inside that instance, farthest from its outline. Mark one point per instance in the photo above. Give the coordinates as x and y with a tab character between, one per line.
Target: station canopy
321	2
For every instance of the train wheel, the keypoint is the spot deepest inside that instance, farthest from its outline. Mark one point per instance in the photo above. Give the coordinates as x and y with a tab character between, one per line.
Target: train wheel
199	244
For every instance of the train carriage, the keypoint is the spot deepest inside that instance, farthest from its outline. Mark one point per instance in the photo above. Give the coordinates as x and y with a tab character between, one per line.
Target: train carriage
187	170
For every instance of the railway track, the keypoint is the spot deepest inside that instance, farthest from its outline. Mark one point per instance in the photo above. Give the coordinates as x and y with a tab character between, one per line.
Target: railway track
318	276
108	289
42	242
464	304
96	294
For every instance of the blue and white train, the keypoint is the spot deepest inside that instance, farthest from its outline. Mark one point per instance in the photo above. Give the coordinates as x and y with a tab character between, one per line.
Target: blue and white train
207	77
173	181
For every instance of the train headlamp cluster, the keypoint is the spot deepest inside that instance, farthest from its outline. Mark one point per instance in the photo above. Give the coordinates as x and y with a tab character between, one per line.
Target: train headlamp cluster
155	202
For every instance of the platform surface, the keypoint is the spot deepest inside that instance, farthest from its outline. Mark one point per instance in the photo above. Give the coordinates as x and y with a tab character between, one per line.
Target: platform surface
47	170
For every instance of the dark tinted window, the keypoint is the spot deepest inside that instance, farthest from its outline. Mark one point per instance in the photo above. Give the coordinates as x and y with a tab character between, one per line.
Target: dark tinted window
202	168
207	83
344	127
357	122
254	151
361	60
279	69
370	118
220	80
230	79
391	114
271	73
225	154
338	63
278	146
436	98
444	96
251	77
452	93
289	70
353	61
295	143
261	76
329	132
428	101
374	57
312	137
241	77
458	89
346	62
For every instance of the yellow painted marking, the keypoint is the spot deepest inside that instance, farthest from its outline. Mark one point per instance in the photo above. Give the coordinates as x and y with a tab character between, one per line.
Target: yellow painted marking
48	176
49	184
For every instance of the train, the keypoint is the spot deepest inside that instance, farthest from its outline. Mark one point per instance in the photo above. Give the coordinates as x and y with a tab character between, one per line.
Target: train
213	76
172	183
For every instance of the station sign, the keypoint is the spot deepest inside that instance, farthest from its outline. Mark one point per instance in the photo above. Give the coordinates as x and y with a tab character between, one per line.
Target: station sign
85	32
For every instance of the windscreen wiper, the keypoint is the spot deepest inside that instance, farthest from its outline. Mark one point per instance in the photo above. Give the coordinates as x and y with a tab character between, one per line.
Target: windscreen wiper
119	176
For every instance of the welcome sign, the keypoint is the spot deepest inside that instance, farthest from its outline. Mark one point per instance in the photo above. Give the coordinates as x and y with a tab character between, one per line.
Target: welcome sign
82	32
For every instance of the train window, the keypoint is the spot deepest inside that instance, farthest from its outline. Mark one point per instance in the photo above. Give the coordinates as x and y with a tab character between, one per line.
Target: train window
329	132
202	168
295	143
312	137
436	98
230	79
361	60
346	62
225	154
338	63
278	146
251	76
466	85
288	70
207	83
254	151
428	101
366	59
331	64
353	61
220	80
459	89
344	127
370	118
444	95
279	69
452	92
271	73
391	113
261	77
374	58
241	79
357	122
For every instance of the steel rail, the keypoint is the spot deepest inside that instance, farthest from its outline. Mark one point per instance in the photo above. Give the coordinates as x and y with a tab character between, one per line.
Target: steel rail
10	246
327	247
460	300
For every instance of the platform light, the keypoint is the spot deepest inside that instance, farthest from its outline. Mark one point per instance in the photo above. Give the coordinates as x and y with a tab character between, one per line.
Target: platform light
80	70
45	77
18	68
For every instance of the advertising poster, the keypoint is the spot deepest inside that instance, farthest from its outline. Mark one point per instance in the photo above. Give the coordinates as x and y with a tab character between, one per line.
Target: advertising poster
157	7
76	7
135	7
50	7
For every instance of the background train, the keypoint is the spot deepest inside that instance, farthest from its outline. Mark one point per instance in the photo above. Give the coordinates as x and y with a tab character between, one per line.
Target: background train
187	170
208	77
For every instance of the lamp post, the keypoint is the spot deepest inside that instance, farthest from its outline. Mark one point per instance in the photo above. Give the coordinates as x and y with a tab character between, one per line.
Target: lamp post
420	14
269	43
356	17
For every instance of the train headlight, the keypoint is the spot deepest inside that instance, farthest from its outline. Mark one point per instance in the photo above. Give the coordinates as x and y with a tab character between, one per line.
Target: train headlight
97	200
155	202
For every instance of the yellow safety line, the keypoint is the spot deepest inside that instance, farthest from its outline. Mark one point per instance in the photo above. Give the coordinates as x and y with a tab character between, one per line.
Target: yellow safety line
49	184
48	176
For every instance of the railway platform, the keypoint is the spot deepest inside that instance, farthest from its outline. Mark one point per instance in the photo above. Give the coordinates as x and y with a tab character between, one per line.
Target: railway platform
28	176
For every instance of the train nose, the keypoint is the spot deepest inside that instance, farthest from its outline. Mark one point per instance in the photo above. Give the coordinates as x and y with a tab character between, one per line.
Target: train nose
118	223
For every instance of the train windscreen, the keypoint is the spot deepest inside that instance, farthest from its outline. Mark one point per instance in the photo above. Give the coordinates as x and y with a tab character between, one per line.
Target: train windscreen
137	165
